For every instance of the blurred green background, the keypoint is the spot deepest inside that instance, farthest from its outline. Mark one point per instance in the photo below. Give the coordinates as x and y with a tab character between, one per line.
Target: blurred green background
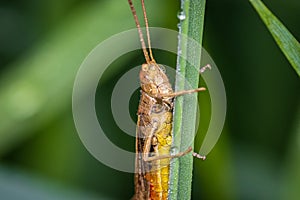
43	43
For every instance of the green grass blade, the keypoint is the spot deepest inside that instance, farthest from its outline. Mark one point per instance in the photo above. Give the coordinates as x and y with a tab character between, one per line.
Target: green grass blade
186	106
284	39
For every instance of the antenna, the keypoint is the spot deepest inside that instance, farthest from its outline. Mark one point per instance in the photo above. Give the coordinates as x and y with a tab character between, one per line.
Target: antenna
148	60
147	29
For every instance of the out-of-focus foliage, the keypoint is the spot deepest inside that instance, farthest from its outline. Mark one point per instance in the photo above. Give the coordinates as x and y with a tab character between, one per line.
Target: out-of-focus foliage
292	169
15	184
42	44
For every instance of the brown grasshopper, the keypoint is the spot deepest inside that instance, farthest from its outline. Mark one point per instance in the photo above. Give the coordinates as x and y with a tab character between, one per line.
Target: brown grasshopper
154	125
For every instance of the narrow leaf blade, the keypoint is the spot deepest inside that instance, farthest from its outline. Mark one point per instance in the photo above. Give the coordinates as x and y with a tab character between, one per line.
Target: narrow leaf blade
284	39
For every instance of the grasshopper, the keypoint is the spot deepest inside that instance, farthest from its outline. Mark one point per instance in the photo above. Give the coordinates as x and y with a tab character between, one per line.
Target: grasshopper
154	125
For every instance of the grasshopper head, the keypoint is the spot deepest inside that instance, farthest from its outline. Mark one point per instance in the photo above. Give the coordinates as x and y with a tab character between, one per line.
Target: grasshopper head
154	79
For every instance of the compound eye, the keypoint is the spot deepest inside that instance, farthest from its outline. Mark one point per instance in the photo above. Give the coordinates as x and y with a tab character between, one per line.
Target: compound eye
145	67
162	68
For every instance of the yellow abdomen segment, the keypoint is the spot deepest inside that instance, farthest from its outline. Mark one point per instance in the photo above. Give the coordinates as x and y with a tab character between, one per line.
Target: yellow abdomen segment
159	177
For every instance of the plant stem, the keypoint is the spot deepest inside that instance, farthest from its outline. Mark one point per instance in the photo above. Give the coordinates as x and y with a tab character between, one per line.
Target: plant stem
186	106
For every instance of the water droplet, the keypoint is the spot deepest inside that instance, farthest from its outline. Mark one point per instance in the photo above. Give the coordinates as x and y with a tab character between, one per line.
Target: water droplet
181	15
179	26
179	52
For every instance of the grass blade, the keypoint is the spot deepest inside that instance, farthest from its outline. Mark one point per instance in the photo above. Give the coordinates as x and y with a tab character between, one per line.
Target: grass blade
191	25
284	39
